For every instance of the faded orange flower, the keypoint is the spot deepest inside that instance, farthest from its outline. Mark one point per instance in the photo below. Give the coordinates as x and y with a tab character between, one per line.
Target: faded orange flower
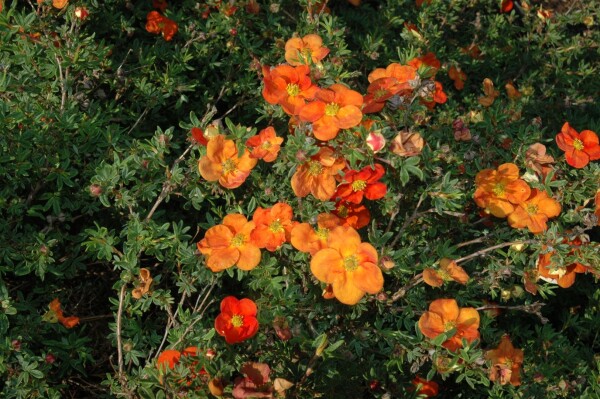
317	175
229	244
537	159
265	145
405	75
499	190
490	93
445	315
145	281
273	226
349	265
448	270
511	91
221	163
306	50
548	269
458	76
506	362
534	212
334	108
407	144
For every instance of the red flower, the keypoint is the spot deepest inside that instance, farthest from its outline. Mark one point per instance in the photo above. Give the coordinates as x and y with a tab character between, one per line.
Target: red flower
237	321
579	148
506	5
362	183
352	215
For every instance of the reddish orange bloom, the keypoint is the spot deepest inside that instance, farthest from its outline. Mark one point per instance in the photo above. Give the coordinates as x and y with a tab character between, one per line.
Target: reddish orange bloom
306	50
273	226
534	212
425	387
458	76
168	359
506	6
159	24
445	315
564	276
597	210
349	265
56	314
381	90
579	148
506	363
404	74
334	108
289	87
265	145
436	97
230	244
361	183
352	215
317	175
198	136
237	321
306	239
449	270
221	163
427	60
498	191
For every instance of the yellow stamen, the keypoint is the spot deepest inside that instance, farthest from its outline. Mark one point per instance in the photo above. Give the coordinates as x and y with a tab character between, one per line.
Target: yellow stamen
532	209
276	227
350	263
315	168
237	320
578	144
499	189
322	233
229	166
359	185
332	109
292	89
238	240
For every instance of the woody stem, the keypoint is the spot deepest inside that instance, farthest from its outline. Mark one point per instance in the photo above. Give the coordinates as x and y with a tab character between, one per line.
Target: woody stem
416	280
481	252
533	308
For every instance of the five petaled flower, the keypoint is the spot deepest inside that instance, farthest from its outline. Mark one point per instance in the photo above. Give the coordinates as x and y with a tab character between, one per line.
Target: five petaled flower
237	321
579	148
534	212
362	183
299	51
506	362
221	163
273	226
444	315
317	175
265	145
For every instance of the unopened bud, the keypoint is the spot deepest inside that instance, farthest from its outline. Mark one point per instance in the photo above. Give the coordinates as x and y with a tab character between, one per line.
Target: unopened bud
95	190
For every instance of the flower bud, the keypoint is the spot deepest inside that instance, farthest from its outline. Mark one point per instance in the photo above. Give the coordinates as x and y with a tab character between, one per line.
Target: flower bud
95	190
50	358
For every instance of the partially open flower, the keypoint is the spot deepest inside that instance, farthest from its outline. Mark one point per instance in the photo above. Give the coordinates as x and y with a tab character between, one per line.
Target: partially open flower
407	144
449	270
145	281
506	363
537	159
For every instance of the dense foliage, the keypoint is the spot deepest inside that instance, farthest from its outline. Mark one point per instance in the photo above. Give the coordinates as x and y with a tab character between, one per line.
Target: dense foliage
337	199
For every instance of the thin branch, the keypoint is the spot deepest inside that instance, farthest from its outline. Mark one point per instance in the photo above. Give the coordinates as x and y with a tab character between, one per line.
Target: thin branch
474	241
119	340
481	252
63	84
416	280
534	308
139	119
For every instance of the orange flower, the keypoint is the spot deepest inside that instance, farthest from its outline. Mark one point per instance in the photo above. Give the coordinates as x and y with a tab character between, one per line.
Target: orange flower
237	321
427	60
306	239
265	145
537	159
381	90
230	244
145	281
221	163
317	175
361	183
159	24
564	276
511	91
306	50
352	215
288	86
168	359
506	5
597	210
458	76
534	212
349	265
449	270
579	148
334	108
425	387
506	362
60	4
490	93
445	315
273	226
55	314
498	191
404	74
437	96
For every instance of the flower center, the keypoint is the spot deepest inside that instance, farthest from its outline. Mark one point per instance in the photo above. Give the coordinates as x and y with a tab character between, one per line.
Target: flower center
359	185
499	189
379	93
444	275
449	325
342	211
578	144
266	145
532	209
350	263
306	54
322	233
228	166
332	109
315	168
237	320
276	227
238	240
292	89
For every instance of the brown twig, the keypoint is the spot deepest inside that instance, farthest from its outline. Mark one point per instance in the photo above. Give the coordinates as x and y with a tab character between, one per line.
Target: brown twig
63	84
416	280
119	339
534	308
481	252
